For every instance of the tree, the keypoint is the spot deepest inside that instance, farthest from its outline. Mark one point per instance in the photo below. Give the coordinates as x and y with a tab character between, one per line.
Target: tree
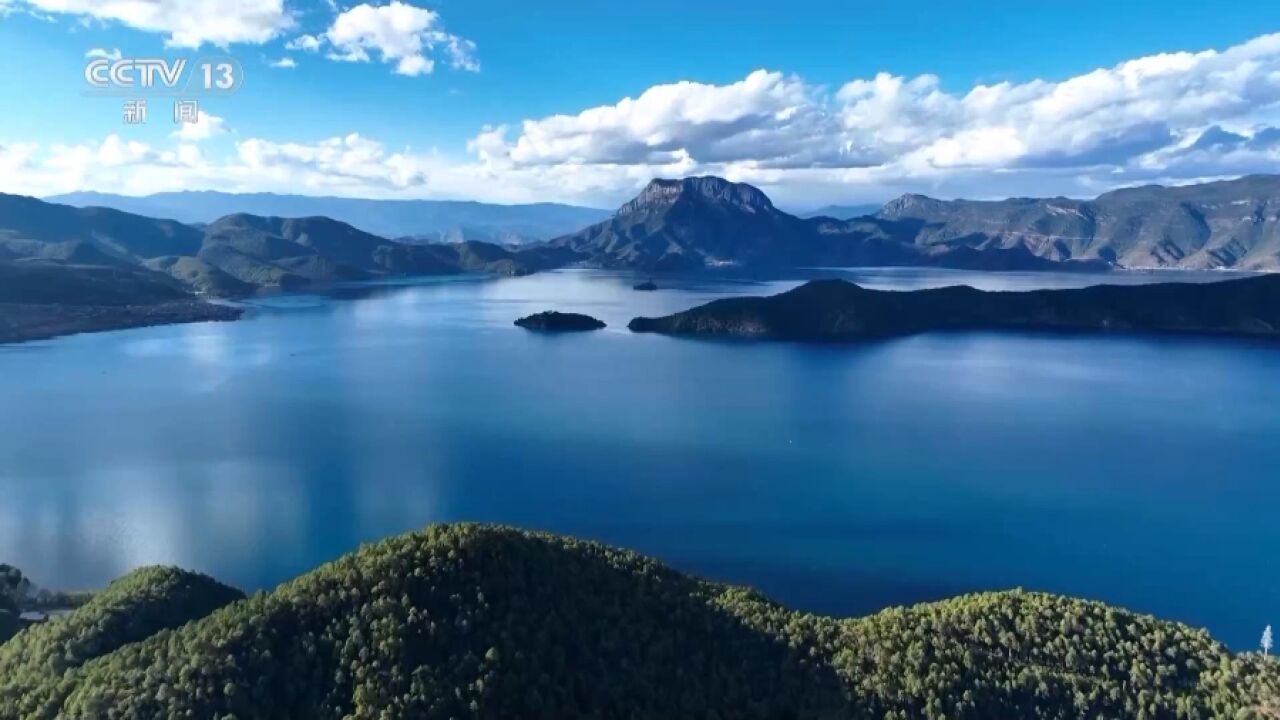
1266	640
14	588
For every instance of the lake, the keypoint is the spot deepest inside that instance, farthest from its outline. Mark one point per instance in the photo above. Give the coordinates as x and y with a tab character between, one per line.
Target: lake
1142	471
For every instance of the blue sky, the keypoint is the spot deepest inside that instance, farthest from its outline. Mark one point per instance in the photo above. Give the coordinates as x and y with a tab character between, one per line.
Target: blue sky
355	126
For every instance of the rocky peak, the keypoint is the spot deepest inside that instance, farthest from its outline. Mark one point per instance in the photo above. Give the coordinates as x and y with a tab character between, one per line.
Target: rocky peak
663	193
910	205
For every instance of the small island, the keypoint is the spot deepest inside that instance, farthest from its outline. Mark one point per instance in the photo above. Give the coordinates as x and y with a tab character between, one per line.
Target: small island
836	310
646	286
552	321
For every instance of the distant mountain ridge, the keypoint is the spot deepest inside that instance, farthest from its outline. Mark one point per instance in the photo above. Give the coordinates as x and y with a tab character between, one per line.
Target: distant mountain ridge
240	253
70	269
702	222
841	212
421	220
1226	224
708	222
694	223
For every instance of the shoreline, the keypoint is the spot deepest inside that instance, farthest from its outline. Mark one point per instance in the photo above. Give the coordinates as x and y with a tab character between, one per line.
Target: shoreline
20	322
30	322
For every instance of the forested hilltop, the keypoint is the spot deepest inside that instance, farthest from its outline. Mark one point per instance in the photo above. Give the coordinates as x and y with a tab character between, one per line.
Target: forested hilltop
468	621
836	310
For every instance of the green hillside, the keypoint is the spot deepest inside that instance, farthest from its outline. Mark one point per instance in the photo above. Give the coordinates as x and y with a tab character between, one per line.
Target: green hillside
467	621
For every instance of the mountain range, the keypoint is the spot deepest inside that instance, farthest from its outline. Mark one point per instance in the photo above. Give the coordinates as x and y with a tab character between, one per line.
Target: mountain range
65	269
683	225
709	222
1227	224
687	225
239	253
417	220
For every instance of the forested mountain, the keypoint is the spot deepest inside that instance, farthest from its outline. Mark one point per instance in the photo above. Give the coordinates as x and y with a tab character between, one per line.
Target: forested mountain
828	310
423	220
487	622
1227	224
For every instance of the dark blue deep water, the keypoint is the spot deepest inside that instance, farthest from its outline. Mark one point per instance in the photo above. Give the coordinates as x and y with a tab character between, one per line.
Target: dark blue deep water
1137	470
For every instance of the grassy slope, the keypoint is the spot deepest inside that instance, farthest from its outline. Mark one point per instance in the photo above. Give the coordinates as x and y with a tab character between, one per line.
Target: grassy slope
485	622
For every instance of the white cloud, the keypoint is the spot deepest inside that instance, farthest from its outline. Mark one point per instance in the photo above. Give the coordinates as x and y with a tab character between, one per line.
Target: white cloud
187	23
770	117
113	54
308	43
350	165
1171	118
287	63
1106	127
206	126
398	33
16	158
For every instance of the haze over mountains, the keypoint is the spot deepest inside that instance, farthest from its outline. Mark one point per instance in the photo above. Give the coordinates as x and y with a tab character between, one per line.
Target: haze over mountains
425	220
841	212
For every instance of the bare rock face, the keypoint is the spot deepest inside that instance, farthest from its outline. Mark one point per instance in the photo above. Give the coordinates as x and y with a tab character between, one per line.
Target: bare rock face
661	194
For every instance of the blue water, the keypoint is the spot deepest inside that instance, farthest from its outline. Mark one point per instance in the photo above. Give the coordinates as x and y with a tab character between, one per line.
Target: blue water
1137	470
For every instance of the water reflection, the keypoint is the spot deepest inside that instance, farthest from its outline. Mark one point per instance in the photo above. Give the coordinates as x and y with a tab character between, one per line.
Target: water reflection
839	478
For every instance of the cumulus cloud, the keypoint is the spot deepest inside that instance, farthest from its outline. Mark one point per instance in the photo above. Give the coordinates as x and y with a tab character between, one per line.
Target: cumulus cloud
16	158
286	63
187	23
1174	117
307	43
347	159
113	54
1105	127
206	126
770	117
349	165
398	33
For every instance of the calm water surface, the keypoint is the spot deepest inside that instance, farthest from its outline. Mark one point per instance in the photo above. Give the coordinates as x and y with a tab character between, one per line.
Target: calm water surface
1142	471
